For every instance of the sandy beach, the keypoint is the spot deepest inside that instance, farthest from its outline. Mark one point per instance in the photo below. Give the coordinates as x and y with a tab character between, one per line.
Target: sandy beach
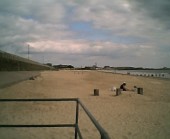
127	116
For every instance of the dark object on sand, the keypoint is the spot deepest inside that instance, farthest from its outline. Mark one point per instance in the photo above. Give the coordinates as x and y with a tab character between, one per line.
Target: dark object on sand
96	92
123	87
140	91
32	78
118	91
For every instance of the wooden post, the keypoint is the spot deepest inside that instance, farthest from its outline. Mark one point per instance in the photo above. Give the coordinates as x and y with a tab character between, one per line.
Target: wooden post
140	91
96	92
118	91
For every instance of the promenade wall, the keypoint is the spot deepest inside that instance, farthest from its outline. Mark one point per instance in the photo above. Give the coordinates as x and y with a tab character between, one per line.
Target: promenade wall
12	77
10	62
14	69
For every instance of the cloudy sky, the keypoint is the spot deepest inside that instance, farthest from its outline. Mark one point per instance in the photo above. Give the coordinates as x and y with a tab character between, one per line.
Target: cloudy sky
85	32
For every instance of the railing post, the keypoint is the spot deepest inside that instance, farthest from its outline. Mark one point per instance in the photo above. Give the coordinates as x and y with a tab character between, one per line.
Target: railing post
77	115
104	135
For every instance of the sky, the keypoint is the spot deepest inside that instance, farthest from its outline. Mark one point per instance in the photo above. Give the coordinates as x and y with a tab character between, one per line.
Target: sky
87	32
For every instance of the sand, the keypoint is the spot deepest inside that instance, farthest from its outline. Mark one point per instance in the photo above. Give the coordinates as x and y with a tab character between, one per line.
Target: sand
128	116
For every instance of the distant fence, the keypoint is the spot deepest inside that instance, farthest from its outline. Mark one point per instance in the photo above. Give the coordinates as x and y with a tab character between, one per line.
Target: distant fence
147	73
10	62
103	133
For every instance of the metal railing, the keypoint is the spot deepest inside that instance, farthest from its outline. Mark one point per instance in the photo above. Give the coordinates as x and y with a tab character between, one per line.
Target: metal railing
77	133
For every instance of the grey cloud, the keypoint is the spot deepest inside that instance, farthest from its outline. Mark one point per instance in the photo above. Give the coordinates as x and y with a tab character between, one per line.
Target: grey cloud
40	10
156	9
24	21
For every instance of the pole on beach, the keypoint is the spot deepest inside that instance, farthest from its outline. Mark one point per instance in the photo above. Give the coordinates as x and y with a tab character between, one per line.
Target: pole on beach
118	91
140	91
96	92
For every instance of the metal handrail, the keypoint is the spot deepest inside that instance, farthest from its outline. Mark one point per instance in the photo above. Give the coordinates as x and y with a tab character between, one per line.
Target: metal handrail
102	132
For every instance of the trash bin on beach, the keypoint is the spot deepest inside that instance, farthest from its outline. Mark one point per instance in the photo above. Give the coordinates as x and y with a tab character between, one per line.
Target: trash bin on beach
118	91
96	92
140	91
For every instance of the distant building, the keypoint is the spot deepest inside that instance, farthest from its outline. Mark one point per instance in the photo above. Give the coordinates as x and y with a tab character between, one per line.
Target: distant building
49	64
63	66
107	68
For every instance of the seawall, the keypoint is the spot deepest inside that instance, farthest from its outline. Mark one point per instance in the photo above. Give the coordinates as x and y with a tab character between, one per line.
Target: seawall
12	77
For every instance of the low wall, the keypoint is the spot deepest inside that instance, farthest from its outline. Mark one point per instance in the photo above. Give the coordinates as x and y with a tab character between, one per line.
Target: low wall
9	78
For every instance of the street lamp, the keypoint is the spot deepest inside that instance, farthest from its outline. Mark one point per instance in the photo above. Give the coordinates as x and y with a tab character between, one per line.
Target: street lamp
28	51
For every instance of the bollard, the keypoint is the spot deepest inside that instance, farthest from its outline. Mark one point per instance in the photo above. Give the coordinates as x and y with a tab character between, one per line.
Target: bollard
118	91
140	91
96	92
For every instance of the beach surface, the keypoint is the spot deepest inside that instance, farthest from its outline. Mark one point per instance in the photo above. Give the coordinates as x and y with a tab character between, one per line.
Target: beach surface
127	116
